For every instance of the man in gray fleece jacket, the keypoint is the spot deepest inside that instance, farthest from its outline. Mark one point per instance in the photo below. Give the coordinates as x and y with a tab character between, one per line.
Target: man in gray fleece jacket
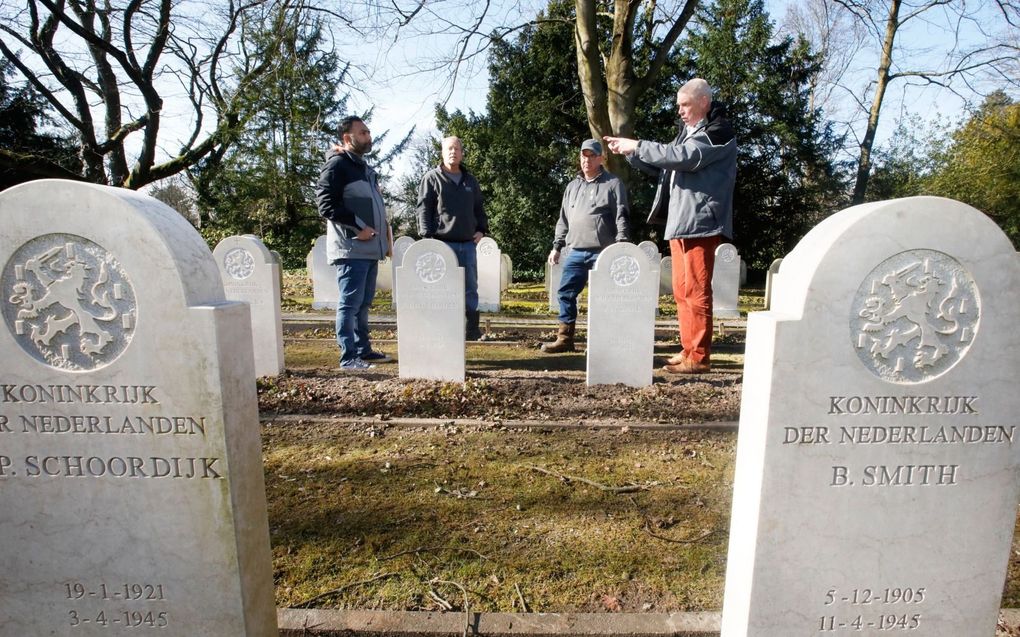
697	172
594	215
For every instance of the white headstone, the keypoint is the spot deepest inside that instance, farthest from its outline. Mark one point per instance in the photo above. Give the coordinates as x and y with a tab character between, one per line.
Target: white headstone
400	246
743	273
666	276
652	250
131	469
430	317
278	258
553	274
251	274
325	292
384	275
876	477
505	272
770	280
622	297
489	265
726	282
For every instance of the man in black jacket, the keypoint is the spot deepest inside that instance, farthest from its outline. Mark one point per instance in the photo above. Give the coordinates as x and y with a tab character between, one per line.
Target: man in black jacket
450	209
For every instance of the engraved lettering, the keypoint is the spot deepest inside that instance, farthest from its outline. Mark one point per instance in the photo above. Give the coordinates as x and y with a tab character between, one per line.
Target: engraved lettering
902	405
806	435
151	425
116	467
910	475
839	477
5	463
79	394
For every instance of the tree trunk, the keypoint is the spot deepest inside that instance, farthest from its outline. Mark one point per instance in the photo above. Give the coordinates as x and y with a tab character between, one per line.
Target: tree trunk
610	86
864	163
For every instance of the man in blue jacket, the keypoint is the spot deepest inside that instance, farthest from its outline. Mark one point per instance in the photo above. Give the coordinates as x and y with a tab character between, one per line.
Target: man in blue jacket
357	238
697	172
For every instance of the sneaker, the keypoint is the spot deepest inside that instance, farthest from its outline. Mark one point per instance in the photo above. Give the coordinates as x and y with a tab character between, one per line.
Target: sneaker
375	357
355	364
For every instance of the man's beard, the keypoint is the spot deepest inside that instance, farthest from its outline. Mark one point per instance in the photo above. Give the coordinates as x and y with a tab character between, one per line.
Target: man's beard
361	149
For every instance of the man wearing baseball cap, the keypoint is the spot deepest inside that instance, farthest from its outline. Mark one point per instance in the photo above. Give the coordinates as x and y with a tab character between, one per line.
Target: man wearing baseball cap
594	214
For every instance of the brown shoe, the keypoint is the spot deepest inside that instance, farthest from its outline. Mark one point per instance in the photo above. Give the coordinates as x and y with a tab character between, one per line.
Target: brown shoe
688	367
676	359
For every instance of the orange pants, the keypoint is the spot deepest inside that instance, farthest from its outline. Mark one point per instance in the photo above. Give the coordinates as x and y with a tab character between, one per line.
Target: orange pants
693	261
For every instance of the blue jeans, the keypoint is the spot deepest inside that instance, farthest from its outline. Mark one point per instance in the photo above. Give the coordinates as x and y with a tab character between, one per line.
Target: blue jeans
574	278
467	258
356	280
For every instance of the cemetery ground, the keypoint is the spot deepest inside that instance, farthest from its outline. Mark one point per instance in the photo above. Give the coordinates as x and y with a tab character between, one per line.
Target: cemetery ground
520	490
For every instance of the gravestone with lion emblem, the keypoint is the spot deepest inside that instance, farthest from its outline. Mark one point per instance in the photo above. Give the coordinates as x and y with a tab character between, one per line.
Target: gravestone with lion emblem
622	299
877	465
251	274
131	478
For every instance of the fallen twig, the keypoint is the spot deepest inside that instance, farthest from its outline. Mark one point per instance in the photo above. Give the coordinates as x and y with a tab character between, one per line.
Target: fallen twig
467	609
431	549
520	596
341	589
436	597
630	488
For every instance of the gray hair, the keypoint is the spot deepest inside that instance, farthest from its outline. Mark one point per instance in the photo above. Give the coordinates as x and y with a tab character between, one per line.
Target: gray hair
696	88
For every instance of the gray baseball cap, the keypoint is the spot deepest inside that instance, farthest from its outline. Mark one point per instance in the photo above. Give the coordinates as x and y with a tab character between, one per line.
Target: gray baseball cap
593	145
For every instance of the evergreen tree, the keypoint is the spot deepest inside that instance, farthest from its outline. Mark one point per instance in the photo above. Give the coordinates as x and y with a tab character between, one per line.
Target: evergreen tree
264	184
27	151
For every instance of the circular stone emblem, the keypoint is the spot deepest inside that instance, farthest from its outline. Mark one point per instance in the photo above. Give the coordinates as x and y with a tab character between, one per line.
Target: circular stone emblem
915	316
624	271
68	302
239	264
728	254
431	267
487	248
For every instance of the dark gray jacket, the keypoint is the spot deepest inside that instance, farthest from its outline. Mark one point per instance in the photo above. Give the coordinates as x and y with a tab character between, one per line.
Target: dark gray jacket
593	215
697	172
448	210
348	196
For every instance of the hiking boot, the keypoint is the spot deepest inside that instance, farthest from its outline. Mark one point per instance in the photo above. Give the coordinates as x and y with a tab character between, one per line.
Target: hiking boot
564	340
687	366
472	332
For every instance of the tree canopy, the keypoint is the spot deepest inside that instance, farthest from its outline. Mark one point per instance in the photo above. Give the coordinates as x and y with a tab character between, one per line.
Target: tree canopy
106	70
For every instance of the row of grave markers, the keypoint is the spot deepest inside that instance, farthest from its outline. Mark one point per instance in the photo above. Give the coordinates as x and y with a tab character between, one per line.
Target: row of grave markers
251	273
877	464
495	273
728	275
